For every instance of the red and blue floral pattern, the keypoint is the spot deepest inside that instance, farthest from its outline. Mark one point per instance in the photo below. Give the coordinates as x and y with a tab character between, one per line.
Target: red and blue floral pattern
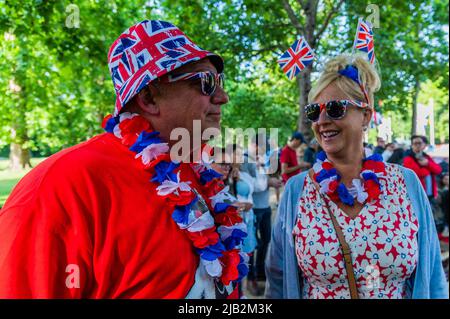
382	238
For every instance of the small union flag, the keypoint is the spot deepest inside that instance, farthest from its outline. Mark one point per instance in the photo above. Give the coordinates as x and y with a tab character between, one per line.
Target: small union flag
296	58
364	39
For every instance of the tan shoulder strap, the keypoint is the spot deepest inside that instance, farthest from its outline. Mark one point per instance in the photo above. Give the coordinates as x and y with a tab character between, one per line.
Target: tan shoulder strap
346	252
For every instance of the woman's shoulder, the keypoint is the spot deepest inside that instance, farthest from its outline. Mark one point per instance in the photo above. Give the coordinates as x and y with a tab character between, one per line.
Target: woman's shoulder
296	182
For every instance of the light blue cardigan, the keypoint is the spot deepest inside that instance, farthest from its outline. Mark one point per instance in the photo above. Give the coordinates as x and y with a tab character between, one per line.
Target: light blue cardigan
428	280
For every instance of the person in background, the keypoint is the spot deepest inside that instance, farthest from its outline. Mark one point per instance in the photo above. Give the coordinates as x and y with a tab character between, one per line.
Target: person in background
397	155
425	168
390	147
274	166
244	186
381	145
444	165
222	165
443	201
288	157
254	164
368	149
311	151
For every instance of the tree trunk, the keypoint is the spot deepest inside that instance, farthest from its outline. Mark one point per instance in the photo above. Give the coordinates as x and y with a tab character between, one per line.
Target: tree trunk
414	115
304	85
19	157
304	80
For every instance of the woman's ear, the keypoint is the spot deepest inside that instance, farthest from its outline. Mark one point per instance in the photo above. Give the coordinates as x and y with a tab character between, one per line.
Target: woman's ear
146	101
367	117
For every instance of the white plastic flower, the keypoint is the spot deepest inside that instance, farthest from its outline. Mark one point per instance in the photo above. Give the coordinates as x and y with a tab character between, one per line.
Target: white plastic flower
152	151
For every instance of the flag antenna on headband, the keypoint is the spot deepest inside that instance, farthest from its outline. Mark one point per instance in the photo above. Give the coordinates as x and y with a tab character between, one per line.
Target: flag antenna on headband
296	58
364	40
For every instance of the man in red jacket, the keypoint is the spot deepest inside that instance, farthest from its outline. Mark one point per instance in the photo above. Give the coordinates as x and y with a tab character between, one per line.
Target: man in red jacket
423	165
115	216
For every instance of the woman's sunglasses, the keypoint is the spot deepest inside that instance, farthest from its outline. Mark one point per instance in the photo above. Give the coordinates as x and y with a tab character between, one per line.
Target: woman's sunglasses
335	110
209	81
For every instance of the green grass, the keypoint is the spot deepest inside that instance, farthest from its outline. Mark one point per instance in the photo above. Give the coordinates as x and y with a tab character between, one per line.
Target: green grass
9	178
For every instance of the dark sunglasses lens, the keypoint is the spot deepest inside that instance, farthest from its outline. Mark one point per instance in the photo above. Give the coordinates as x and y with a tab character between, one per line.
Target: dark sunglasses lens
336	109
208	83
312	112
221	80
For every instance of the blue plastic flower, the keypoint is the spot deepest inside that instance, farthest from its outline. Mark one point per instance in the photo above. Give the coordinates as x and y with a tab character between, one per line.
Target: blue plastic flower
181	213
212	252
321	156
370	176
164	170
111	123
326	173
242	269
145	139
221	208
374	157
344	195
208	175
236	238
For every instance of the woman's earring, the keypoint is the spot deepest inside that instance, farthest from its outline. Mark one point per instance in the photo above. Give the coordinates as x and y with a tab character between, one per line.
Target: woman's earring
364	128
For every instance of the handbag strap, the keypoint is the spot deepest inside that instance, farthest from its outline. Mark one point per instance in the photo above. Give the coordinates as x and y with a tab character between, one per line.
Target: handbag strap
346	251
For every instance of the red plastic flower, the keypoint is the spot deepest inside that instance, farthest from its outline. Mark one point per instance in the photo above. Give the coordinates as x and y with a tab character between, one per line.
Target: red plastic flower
131	128
375	166
213	187
180	199
327	165
204	238
333	186
105	119
230	261
372	189
229	217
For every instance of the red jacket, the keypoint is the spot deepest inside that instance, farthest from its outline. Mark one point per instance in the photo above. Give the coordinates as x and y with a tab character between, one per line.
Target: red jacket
87	223
432	169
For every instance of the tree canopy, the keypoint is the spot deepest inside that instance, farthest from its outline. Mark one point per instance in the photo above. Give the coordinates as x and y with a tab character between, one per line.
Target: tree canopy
55	86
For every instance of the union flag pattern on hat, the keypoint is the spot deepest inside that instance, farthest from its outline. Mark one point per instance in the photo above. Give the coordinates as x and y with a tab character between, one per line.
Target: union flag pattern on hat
147	51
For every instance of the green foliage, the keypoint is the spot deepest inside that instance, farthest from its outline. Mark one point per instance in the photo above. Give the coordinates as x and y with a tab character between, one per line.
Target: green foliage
55	85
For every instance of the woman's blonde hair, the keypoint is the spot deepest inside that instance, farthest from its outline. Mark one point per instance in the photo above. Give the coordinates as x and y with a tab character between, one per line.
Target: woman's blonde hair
368	77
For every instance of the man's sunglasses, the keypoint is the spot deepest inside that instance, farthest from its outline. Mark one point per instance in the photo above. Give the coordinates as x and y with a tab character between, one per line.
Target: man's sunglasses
209	81
335	110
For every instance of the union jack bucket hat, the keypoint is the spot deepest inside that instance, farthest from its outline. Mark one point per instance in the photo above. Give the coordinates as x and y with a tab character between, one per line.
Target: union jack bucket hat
148	50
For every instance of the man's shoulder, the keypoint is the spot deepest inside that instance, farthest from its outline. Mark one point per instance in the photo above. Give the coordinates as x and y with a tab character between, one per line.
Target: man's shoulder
91	154
67	168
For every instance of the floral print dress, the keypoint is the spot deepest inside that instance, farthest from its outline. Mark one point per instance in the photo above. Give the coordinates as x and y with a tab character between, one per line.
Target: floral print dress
382	238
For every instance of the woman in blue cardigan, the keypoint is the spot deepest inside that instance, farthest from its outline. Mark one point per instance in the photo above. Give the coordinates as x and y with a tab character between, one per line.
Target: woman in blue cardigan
352	226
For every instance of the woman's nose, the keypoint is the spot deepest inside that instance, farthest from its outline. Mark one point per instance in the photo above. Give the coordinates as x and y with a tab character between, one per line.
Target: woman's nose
323	118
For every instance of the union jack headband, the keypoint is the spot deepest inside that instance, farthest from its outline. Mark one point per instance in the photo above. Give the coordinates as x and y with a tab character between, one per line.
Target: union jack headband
148	50
351	72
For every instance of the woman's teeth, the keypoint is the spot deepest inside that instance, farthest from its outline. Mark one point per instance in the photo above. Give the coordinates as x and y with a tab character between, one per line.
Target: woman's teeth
329	134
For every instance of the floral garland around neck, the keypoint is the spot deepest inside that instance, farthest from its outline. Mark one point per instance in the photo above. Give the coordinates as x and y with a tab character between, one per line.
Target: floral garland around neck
330	183
216	237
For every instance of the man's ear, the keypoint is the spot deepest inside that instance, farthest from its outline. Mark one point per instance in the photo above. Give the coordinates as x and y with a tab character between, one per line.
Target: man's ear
146	101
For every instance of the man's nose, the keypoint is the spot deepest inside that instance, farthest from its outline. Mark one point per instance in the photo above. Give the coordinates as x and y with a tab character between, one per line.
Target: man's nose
220	96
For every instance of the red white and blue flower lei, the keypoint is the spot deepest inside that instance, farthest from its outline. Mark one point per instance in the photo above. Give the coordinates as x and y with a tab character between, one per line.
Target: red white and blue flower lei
329	180
217	237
